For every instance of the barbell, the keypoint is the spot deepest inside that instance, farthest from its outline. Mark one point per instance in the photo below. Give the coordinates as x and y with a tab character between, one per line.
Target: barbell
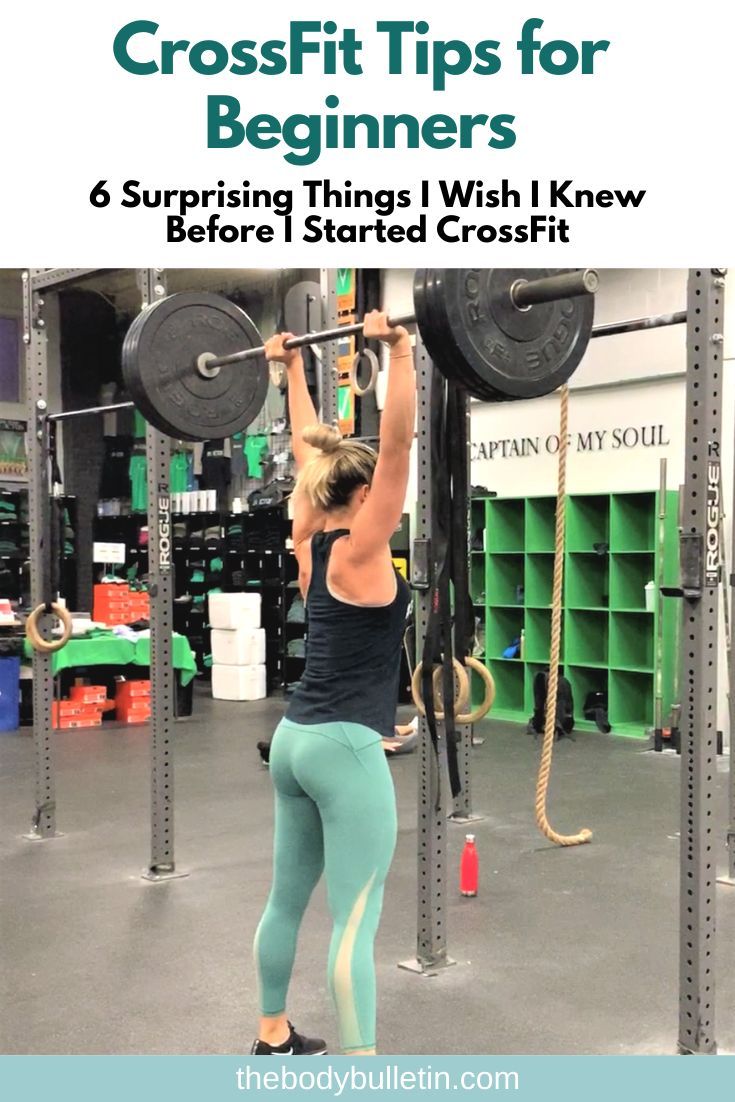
502	333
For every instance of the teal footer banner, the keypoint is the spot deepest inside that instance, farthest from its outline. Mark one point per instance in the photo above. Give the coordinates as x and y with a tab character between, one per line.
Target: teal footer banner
227	1079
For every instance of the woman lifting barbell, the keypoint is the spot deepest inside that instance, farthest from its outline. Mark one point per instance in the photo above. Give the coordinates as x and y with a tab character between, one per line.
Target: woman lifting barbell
335	808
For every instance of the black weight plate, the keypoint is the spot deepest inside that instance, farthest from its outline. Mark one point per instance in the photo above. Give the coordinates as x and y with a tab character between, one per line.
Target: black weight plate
430	322
452	361
159	361
421	308
505	351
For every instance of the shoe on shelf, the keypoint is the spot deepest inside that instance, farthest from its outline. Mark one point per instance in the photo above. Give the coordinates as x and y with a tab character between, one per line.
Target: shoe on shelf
296	1045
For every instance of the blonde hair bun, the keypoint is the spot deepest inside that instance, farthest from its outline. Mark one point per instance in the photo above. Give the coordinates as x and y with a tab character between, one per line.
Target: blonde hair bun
323	437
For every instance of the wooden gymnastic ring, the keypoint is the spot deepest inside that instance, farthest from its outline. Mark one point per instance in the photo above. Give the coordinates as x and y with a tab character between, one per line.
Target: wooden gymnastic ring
489	695
372	359
461	677
34	637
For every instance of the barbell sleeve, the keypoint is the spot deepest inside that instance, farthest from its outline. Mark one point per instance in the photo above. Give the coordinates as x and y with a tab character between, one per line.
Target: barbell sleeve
552	288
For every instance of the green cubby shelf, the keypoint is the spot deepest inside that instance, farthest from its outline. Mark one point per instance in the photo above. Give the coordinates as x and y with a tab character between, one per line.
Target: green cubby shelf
505	525
538	578
532	668
631	697
504	581
586	637
502	627
633	522
608	636
478	569
587	522
631	641
630	573
509	686
537	636
588	582
585	680
540	516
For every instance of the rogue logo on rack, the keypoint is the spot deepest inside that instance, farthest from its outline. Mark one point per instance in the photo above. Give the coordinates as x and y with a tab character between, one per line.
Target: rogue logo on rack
164	531
712	530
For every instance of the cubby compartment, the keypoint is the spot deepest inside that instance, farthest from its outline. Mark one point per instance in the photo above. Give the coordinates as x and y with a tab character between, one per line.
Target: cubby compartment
586	638
505	525
537	636
631	701
477	526
509	685
631	641
479	647
478	570
585	680
633	522
629	575
504	625
532	669
587	581
540	523
587	522
505	579
538	580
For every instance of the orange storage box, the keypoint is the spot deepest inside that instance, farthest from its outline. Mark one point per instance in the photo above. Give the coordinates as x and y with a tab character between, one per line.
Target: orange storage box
69	722
132	690
63	710
137	711
88	694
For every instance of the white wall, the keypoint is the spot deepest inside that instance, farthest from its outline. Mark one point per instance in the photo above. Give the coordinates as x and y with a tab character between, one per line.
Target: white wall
617	437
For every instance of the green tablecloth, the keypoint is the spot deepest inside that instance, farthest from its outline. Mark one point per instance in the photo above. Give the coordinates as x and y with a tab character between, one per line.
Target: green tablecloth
113	650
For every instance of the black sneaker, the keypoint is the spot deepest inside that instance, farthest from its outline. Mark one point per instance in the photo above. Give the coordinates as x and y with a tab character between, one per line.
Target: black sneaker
296	1045
264	749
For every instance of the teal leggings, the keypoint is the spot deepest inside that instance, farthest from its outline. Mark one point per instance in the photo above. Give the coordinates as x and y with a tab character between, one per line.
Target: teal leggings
335	812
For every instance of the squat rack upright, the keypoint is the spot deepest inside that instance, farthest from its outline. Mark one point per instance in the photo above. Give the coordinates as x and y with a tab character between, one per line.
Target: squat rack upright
151	282
37	283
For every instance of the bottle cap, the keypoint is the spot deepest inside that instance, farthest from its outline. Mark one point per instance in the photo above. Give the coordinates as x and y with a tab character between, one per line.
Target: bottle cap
469	837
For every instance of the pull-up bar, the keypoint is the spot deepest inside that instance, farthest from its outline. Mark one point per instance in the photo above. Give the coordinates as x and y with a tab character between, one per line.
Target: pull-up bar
635	325
67	414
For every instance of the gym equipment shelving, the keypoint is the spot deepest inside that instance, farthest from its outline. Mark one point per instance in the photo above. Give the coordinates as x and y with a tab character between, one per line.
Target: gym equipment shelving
15	530
607	634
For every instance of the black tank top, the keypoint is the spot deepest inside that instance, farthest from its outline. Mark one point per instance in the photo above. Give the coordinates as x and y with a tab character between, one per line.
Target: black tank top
353	653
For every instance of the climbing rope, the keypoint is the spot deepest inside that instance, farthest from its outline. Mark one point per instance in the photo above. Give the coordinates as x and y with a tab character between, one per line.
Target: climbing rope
544	773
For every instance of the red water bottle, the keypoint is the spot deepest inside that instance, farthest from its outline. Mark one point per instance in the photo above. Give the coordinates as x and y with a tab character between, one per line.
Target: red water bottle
469	867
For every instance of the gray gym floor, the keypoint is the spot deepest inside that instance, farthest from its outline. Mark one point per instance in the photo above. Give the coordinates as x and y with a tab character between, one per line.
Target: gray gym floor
564	951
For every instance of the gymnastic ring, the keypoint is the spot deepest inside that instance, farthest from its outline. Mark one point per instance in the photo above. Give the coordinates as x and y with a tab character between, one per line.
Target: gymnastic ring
278	374
489	692
463	693
34	637
372	359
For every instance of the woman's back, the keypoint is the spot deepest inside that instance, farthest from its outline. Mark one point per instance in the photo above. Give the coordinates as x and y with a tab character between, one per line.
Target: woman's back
352	651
